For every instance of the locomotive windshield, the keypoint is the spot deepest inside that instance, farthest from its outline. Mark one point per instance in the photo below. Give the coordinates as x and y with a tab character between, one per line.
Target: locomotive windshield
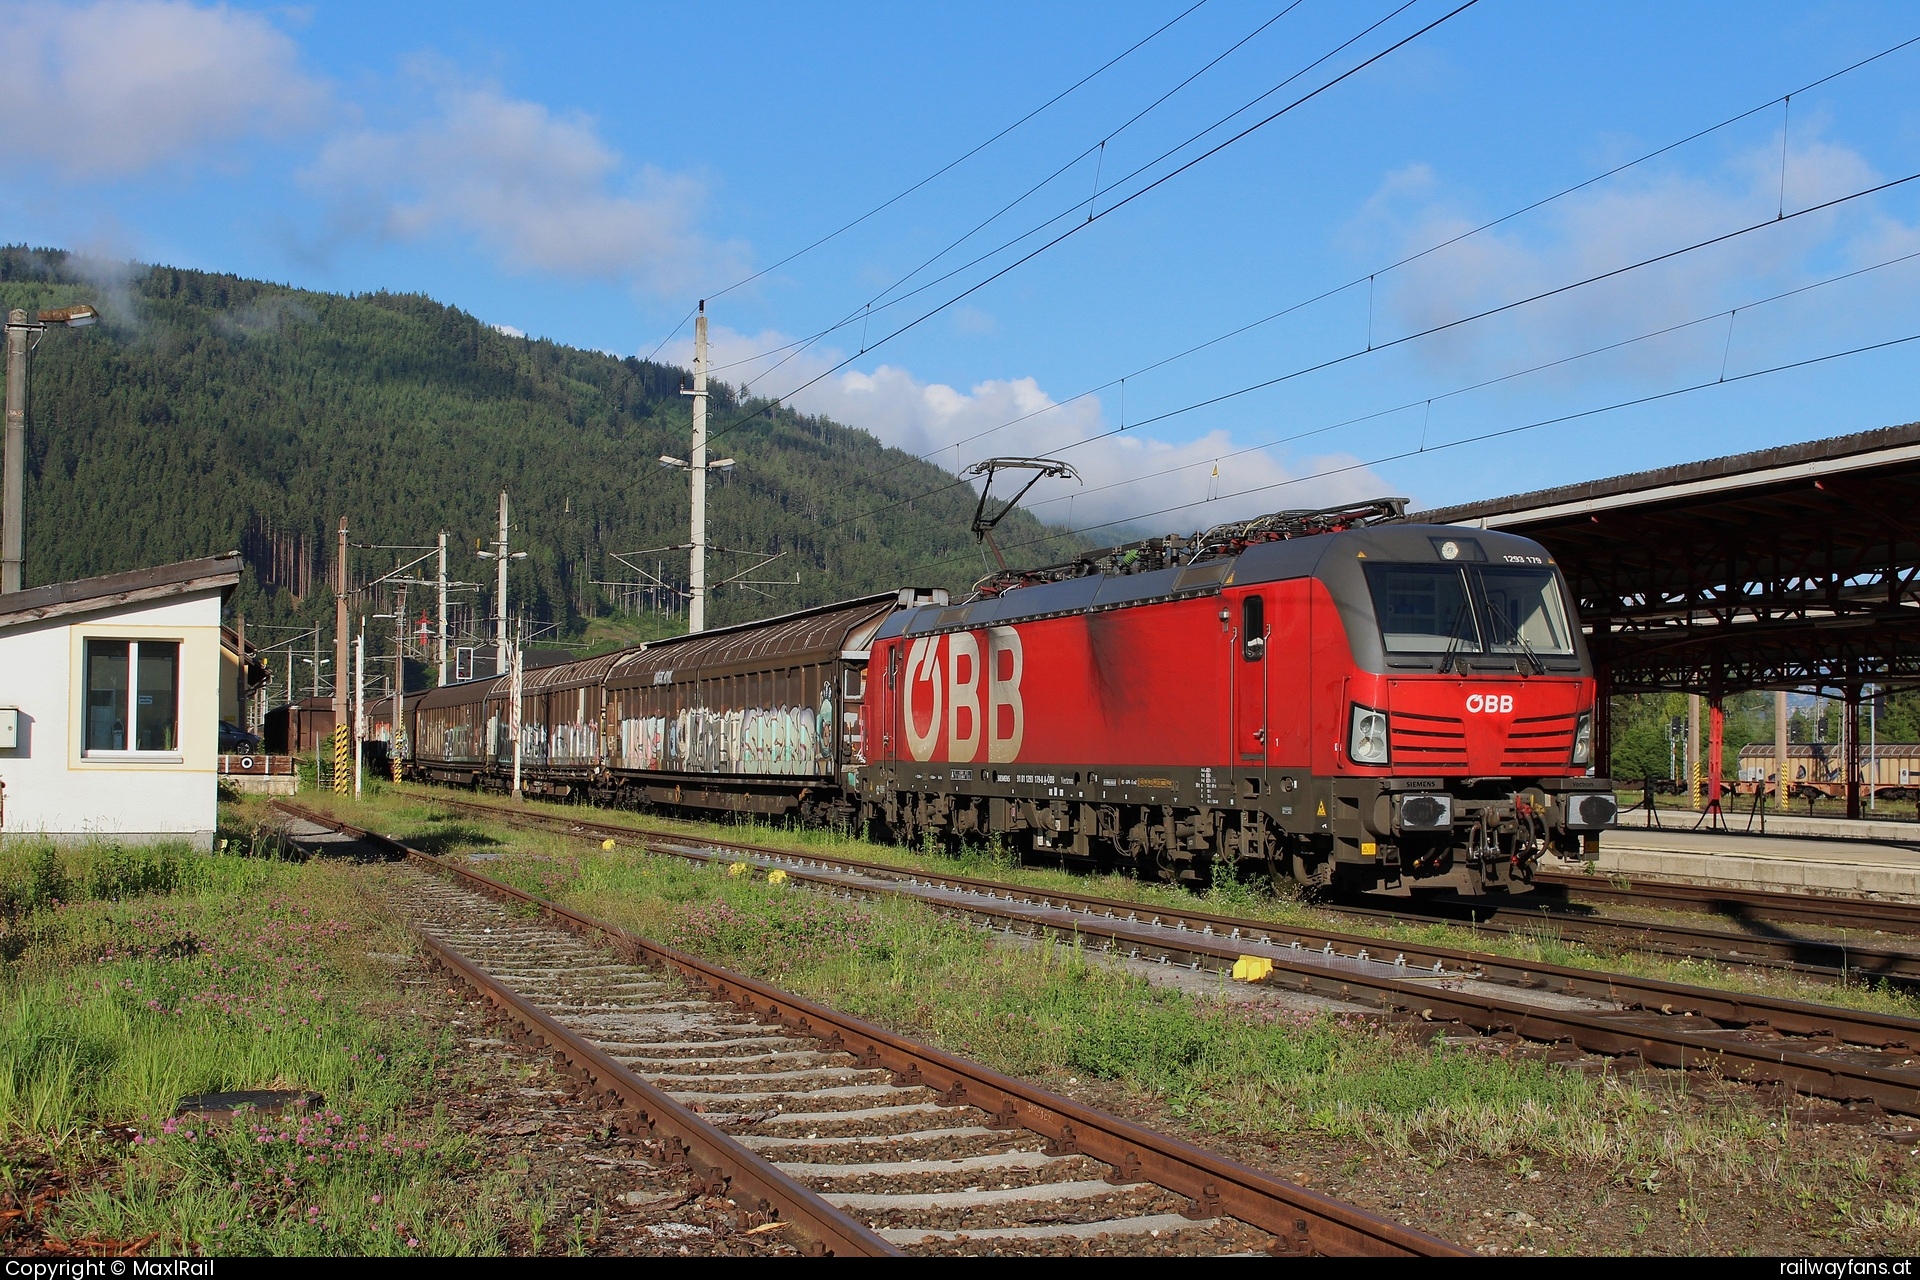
1424	608
1452	609
1523	609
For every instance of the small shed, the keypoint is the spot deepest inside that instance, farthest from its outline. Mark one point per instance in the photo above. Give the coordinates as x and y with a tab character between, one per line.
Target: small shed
299	726
110	704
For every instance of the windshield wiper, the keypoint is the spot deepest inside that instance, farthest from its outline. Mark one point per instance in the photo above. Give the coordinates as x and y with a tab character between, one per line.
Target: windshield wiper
1514	635
1456	640
1539	667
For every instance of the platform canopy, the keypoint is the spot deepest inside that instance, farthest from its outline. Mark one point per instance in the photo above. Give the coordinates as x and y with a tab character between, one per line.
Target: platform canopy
1790	568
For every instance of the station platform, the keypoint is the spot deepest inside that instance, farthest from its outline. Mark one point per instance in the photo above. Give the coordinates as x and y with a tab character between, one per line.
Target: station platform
1829	864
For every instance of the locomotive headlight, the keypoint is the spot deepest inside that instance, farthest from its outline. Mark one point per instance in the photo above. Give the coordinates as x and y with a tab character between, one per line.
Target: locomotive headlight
1583	738
1367	736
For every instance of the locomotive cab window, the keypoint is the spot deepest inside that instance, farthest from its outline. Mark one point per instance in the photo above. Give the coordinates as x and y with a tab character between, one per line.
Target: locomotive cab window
1253	629
1424	608
1524	610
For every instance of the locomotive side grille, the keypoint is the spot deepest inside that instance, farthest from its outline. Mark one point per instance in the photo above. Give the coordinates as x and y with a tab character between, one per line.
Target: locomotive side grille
1418	739
1539	740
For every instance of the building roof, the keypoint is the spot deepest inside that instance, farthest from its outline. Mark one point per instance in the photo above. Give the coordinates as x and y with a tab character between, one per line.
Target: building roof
1806	462
91	595
1795	567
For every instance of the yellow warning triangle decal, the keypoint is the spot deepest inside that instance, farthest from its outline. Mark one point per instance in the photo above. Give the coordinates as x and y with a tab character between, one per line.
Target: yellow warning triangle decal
1323	809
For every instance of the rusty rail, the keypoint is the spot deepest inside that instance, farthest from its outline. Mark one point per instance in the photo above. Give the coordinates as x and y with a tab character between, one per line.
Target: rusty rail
720	1164
1302	1221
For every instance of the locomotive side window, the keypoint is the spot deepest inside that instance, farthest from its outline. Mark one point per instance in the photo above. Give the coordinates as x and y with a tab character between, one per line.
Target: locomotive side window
1423	608
1524	610
1253	629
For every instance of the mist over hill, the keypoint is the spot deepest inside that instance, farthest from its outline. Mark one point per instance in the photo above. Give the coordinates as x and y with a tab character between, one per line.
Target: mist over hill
208	413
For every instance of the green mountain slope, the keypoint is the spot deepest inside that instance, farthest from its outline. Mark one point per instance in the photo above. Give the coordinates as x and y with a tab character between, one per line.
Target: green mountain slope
207	413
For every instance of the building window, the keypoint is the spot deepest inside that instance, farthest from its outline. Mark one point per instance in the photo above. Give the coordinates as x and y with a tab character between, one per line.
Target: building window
133	696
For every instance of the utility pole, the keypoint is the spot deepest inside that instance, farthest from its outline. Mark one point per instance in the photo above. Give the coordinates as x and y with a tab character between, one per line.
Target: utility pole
1693	750
502	554
399	679
443	607
12	534
513	729
22	333
500	626
1780	752
359	701
696	463
340	736
697	602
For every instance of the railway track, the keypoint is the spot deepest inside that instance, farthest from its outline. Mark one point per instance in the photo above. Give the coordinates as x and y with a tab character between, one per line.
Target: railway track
859	1141
1740	904
1841	1054
1822	959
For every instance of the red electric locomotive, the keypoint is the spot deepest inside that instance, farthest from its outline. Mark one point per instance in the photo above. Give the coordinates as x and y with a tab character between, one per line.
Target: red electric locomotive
1332	695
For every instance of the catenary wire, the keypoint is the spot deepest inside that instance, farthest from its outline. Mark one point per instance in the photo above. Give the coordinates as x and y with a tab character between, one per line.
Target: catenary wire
943	169
1373	348
1414	403
1114	208
1405	261
1073	209
1480	438
798	345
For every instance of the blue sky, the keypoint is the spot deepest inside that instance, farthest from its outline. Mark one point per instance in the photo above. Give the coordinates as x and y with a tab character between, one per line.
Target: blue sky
585	172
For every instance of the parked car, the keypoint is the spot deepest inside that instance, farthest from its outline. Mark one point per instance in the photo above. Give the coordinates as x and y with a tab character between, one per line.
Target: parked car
237	741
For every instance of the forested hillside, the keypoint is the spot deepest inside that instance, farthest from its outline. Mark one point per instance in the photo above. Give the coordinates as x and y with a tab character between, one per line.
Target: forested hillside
208	413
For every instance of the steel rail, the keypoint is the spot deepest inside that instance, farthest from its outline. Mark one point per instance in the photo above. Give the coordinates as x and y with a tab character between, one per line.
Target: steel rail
721	1165
1302	1221
1662	1023
1743	904
1824	959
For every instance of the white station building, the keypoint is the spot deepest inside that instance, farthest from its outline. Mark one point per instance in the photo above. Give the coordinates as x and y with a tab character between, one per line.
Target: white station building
110	705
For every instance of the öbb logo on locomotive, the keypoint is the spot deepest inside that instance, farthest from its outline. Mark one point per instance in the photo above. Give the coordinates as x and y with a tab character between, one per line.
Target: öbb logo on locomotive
956	702
1490	703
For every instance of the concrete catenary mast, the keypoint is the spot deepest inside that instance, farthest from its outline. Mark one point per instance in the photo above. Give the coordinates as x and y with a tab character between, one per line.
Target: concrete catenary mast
697	585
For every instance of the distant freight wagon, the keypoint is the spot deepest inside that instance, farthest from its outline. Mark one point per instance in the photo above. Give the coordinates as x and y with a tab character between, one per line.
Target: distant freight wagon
1892	769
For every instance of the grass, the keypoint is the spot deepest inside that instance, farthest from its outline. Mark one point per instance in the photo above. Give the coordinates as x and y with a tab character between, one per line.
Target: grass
136	976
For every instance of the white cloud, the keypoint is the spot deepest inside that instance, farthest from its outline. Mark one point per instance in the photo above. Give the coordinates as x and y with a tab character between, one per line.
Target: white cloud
1126	476
509	330
1607	227
119	87
538	191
